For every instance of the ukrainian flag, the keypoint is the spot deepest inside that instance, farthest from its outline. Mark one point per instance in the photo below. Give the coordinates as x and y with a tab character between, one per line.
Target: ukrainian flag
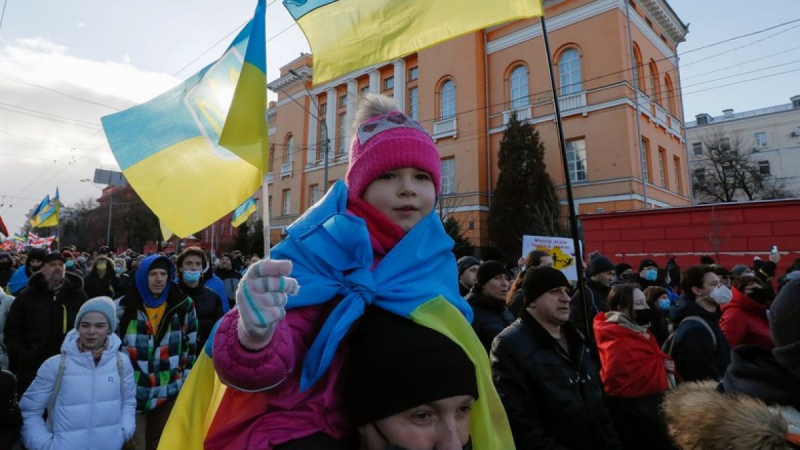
172	149
48	217
347	35
34	217
244	210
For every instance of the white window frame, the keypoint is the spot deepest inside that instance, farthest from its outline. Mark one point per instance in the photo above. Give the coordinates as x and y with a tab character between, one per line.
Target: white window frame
287	202
576	160
699	175
341	146
413	103
518	84
413	73
761	139
697	146
762	165
288	156
569	71
388	83
313	193
448	176
447	100
343	101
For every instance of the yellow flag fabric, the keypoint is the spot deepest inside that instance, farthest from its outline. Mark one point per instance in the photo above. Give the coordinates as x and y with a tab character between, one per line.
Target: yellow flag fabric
347	35
166	233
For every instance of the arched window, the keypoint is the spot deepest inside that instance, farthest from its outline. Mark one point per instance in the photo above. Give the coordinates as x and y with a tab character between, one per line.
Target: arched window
569	69
670	90
271	155
638	68
288	150
447	105
519	87
655	85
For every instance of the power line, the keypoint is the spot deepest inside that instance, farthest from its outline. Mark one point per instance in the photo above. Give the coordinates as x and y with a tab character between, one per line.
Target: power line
741	46
67	95
740	64
23	110
741	36
3	14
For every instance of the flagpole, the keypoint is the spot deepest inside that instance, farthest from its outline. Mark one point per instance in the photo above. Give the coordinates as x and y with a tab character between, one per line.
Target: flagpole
265	212
573	219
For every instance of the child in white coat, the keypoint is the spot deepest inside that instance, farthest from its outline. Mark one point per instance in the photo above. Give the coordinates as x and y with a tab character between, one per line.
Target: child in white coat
88	389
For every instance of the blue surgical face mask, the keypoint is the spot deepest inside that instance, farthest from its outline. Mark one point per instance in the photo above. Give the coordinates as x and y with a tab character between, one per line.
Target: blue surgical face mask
70	264
664	303
651	274
118	269
192	276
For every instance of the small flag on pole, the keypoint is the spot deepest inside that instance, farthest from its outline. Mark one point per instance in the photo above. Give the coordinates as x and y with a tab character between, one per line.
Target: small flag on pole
244	211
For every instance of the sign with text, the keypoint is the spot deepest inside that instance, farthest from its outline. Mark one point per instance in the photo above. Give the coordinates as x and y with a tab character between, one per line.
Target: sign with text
561	249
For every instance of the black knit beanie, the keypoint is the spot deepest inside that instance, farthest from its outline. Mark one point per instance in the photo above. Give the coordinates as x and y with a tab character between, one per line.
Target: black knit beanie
784	317
600	264
465	262
489	270
540	280
395	364
160	263
620	268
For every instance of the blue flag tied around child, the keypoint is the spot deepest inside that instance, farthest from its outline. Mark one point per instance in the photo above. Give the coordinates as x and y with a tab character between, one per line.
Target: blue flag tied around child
332	257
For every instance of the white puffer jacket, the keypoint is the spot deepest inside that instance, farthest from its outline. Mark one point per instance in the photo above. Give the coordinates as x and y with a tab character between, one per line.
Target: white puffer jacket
88	411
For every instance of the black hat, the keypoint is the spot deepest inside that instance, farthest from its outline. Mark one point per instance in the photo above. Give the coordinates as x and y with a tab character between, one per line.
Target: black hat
227	255
396	364
104	250
647	263
489	270
5	256
784	315
600	264
55	256
465	262
160	263
37	254
540	280
620	268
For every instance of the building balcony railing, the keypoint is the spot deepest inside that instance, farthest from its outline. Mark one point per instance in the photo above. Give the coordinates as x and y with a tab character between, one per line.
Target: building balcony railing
523	113
572	101
445	128
661	115
286	169
644	102
675	125
269	178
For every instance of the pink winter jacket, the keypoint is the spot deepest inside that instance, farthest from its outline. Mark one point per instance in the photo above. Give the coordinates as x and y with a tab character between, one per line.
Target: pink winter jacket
274	372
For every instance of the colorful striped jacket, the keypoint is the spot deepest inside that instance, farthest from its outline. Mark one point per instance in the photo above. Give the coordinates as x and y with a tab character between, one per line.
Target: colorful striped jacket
161	362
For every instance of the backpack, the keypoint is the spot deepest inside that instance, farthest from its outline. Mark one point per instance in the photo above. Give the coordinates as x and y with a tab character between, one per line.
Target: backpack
60	376
670	342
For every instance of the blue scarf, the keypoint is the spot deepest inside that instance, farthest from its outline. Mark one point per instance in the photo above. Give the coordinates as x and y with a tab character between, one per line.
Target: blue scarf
141	281
332	256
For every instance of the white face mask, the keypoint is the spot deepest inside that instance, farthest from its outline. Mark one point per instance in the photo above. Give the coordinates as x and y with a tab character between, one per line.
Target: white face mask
721	295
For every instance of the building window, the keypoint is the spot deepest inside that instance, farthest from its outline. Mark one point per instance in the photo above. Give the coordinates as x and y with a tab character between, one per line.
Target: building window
287	201
670	95
638	68
655	86
729	172
645	160
364	91
519	87
697	148
725	144
763	168
413	73
700	175
413	103
448	176
576	160
322	130
313	194
388	83
343	101
796	103
342	144
702	120
678	177
761	140
662	162
270	206
288	150
447	102
569	69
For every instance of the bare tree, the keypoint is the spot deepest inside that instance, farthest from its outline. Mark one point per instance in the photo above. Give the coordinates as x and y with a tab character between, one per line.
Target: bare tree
728	171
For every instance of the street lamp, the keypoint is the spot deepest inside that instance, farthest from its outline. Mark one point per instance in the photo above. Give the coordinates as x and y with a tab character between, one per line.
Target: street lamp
110	210
319	119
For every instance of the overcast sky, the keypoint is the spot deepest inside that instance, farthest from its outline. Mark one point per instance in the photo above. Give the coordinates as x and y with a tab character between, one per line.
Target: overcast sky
65	64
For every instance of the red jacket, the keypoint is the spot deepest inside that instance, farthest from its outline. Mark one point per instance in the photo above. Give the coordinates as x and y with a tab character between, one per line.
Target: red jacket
744	322
633	364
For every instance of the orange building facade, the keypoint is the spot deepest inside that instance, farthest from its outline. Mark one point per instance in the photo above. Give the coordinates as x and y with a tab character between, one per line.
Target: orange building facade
464	91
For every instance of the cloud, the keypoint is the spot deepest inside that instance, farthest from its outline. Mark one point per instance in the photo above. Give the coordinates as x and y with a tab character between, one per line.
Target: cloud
81	25
39	126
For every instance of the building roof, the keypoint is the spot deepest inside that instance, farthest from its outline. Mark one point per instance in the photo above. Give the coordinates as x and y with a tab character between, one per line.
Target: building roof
743	115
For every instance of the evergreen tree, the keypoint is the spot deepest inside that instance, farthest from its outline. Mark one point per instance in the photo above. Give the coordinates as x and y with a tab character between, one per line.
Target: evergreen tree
525	200
240	243
462	245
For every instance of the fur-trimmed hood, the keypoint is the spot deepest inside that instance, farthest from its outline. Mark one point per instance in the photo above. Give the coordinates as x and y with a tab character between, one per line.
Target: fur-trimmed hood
700	417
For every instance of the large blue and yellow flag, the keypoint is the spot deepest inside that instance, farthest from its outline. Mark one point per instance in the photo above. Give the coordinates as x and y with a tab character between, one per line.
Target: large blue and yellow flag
196	152
347	35
48	217
244	211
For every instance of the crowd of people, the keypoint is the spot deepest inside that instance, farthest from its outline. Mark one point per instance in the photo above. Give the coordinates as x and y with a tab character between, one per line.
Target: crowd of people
362	331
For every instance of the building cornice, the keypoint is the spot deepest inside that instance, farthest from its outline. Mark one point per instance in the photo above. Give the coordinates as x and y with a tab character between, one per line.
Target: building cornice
666	19
290	79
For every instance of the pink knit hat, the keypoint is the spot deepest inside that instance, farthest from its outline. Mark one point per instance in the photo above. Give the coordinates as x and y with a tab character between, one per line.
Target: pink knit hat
388	142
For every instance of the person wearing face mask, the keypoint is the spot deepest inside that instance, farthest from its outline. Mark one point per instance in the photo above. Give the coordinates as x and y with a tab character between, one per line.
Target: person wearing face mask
207	303
488	302
744	319
698	346
600	273
648	274
623	273
659	304
123	280
6	270
635	372
407	387
71	265
32	265
101	281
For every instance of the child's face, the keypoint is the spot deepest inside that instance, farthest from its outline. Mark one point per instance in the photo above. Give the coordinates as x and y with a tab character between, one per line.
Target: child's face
404	195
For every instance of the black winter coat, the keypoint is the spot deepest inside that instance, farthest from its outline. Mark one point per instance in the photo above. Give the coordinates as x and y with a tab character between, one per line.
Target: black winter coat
101	287
755	372
208	306
696	357
553	400
597	297
491	317
37	323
